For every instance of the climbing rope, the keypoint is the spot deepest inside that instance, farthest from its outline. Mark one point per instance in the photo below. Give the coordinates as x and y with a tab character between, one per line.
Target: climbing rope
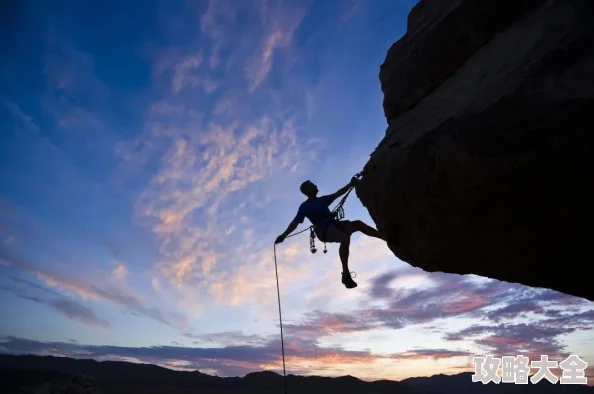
338	214
280	318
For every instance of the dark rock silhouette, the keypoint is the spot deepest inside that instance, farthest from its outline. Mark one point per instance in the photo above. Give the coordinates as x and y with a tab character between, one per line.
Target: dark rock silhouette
79	384
486	164
462	384
18	372
34	374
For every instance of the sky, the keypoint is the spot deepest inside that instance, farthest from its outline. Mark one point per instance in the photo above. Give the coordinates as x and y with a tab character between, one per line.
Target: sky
151	152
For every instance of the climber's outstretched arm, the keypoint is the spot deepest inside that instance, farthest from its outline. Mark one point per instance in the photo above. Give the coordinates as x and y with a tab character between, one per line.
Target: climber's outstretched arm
292	226
341	191
288	231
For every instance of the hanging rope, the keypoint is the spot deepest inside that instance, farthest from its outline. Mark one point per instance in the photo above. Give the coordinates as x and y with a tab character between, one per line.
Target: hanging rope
338	214
280	318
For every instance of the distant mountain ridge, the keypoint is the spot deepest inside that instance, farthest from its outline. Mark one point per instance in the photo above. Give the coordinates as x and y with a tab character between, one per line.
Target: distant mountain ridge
462	384
22	374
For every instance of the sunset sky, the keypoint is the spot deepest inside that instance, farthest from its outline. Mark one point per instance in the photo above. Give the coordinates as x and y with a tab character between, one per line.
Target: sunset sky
151	152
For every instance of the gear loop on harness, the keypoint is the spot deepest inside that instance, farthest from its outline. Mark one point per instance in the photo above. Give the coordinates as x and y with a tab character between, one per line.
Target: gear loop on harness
312	240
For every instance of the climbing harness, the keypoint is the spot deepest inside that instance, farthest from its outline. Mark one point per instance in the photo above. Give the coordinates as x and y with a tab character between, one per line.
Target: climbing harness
337	214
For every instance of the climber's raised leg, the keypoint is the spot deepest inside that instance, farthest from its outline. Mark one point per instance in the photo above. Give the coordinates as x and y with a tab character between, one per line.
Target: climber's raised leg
343	237
357	225
343	252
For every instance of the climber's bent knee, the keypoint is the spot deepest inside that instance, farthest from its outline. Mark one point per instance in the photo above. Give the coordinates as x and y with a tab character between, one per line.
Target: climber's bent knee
336	234
358	225
352	226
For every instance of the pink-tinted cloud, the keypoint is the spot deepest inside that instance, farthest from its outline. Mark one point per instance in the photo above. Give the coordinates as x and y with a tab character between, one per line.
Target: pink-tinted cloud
184	73
203	168
318	324
120	272
542	337
304	357
436	354
217	23
228	338
514	310
69	308
280	21
95	293
487	300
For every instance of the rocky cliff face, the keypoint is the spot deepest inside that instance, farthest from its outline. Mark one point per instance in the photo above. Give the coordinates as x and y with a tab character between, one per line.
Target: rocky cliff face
486	166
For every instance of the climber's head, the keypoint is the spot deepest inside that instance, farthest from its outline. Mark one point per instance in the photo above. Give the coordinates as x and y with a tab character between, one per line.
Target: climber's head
309	189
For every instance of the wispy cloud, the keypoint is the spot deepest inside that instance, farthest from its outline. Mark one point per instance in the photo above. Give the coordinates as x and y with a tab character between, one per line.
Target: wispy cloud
211	129
217	24
514	339
350	10
156	284
211	155
183	74
229	338
200	172
230	358
514	310
93	292
436	354
67	307
303	356
75	97
120	272
450	297
280	21
318	324
25	119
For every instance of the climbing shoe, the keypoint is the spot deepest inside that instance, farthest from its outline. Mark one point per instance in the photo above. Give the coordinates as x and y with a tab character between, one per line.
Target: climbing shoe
347	281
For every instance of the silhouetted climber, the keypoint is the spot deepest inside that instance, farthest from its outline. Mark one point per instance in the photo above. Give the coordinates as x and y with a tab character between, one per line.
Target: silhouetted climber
326	227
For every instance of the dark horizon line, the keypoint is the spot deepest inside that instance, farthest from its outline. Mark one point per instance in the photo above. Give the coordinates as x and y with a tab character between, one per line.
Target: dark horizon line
255	372
222	377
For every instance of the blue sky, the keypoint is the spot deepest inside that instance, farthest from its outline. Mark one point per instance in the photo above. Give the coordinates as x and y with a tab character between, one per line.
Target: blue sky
151	153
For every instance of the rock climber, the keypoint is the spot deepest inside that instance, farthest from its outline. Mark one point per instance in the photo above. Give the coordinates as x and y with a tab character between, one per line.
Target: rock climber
326	227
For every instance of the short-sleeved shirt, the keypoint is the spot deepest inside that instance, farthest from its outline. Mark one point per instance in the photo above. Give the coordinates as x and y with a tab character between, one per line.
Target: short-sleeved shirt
316	210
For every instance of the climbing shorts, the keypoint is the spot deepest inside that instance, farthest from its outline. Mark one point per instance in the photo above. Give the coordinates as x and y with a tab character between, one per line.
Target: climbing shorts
334	232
